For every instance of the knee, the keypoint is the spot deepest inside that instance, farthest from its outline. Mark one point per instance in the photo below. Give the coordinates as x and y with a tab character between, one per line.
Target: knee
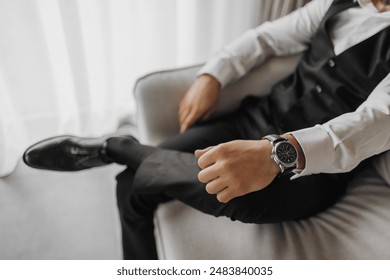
240	209
255	208
243	213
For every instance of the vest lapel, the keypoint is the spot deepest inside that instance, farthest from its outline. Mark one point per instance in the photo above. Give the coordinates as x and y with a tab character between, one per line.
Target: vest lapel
336	7
324	85
339	6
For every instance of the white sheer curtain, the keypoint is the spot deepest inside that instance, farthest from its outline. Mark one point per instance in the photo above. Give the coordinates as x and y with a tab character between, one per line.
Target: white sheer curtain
68	66
274	9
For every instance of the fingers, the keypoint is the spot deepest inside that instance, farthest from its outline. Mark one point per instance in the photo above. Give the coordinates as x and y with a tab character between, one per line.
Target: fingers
183	111
188	111
199	153
206	157
219	188
215	186
208	174
190	116
199	101
187	117
184	116
225	195
223	192
217	173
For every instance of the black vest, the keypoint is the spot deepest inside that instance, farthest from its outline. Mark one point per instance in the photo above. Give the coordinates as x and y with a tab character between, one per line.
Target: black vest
324	85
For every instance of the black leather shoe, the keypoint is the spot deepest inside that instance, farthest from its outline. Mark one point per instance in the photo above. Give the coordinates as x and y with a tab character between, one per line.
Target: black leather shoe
68	153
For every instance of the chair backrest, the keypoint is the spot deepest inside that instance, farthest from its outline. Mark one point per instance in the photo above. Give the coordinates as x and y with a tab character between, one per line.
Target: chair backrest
258	82
158	94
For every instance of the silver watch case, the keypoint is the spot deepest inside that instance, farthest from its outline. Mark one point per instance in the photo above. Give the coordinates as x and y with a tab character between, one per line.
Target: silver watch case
285	162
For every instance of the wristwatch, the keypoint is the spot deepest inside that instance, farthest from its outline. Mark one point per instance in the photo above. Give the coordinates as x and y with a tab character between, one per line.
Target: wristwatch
283	153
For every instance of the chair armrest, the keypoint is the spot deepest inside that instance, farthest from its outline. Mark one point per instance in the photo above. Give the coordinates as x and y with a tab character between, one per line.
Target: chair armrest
158	94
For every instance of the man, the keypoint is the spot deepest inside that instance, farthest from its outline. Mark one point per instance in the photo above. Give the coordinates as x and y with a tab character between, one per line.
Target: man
317	125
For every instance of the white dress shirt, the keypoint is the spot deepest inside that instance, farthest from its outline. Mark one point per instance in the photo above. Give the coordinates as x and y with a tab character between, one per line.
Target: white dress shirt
342	143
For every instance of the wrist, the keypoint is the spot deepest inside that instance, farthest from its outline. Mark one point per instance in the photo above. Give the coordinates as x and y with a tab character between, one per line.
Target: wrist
211	80
274	167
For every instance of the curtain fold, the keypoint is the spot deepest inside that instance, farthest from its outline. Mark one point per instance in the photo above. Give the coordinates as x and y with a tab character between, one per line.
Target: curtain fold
68	66
272	10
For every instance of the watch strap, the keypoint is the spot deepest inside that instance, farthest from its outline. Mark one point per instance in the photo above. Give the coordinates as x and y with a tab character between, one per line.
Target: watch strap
274	138
288	170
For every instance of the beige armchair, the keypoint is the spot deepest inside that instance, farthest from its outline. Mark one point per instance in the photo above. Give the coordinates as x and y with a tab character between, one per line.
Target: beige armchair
357	227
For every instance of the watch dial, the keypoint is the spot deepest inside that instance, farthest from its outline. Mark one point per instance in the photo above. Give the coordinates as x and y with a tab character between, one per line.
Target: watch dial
286	153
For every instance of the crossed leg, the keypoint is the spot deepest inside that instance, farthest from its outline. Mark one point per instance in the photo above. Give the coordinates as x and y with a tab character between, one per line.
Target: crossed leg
170	172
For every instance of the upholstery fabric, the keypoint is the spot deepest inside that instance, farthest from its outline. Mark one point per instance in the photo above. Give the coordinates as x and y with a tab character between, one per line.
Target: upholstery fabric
357	227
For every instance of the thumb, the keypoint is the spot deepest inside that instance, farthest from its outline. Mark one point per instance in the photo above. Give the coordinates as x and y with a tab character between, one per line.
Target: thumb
199	153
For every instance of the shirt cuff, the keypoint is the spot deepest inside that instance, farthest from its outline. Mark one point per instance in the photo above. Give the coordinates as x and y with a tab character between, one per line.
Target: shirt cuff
219	69
317	148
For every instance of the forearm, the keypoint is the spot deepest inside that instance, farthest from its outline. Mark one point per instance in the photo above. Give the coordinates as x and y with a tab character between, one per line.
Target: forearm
285	36
237	58
342	143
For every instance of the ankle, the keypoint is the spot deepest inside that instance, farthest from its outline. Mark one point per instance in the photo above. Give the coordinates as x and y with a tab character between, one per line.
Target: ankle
104	153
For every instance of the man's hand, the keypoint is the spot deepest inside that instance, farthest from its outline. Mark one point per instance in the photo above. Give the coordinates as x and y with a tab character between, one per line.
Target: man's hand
236	168
199	102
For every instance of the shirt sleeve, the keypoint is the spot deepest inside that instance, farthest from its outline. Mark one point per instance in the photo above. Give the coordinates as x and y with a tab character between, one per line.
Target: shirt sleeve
347	140
287	35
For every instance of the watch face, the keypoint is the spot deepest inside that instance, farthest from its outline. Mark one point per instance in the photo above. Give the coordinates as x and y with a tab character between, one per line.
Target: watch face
286	153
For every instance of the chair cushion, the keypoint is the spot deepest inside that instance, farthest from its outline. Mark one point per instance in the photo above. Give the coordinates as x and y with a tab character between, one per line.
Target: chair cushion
356	227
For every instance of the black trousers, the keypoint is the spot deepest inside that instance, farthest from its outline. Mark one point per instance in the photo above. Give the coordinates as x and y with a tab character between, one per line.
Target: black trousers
171	173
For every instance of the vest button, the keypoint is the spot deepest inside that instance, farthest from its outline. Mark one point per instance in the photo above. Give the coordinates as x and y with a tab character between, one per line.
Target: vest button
318	89
331	63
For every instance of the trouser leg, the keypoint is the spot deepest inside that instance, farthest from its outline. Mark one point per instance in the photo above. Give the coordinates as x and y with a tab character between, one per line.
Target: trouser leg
171	174
137	209
136	212
282	200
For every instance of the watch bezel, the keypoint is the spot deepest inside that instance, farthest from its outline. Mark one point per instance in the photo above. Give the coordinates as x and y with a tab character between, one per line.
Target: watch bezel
284	167
279	161
276	141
